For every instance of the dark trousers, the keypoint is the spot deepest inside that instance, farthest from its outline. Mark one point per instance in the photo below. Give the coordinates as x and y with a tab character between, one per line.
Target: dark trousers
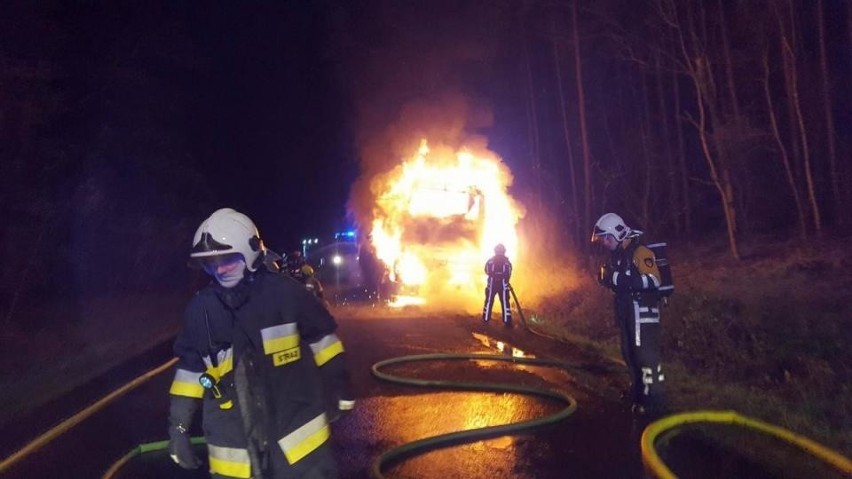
493	288
640	330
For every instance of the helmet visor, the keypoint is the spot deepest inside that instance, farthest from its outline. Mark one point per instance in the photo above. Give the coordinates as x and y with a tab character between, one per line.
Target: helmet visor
598	234
213	264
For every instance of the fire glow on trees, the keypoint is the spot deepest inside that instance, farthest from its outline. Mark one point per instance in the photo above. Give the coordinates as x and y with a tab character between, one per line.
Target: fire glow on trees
437	218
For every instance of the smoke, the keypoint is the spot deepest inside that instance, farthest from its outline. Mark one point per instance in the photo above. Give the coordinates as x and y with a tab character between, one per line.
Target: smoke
420	73
546	267
449	120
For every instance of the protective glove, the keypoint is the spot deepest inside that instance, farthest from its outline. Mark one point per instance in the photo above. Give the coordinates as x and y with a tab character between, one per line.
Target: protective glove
180	449
340	409
181	411
340	400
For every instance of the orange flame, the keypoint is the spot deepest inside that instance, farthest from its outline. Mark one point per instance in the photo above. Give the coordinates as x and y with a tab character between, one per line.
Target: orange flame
437	218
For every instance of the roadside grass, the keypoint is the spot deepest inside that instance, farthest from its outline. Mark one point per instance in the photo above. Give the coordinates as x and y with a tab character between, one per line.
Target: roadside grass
768	336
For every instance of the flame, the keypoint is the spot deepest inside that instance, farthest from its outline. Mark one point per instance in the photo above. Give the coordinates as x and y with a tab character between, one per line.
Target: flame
437	218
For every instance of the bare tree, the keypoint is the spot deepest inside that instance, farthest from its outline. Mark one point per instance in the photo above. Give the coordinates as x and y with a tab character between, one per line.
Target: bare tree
581	109
670	165
681	153
785	157
531	109
563	111
834	173
788	55
698	68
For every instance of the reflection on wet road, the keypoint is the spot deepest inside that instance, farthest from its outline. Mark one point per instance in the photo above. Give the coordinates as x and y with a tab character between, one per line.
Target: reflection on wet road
499	346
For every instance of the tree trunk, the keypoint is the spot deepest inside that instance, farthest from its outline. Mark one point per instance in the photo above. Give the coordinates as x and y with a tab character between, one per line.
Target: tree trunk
698	68
581	106
722	182
681	151
833	171
789	54
647	154
729	68
532	115
785	158
665	144
578	226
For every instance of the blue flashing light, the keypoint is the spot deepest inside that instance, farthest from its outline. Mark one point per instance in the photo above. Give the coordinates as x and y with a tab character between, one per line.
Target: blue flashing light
345	235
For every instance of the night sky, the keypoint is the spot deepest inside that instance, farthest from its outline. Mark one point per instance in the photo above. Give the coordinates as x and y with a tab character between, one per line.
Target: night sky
124	124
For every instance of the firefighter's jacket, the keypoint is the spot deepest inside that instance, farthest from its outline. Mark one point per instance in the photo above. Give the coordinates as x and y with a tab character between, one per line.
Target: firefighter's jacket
632	274
498	267
272	347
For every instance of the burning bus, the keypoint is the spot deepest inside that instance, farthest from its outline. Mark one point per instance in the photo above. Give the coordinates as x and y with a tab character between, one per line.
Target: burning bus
436	220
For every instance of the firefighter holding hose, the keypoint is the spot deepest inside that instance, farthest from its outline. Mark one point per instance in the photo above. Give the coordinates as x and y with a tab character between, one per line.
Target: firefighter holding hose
498	268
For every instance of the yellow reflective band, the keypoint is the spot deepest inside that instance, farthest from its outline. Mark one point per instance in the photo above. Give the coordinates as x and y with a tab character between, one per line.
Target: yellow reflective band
279	338
229	461
305	440
187	389
280	344
186	384
326	354
225	359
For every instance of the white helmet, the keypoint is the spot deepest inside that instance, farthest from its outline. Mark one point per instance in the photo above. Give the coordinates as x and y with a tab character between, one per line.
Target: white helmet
611	224
227	231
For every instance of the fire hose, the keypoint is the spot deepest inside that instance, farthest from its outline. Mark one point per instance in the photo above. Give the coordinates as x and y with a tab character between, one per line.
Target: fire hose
461	437
658	468
518	304
653	463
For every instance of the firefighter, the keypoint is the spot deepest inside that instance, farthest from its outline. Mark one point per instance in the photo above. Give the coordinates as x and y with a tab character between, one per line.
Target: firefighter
371	269
259	355
499	271
311	282
294	265
632	274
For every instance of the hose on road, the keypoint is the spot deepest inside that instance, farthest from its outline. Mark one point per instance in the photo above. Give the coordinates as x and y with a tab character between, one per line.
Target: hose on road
81	416
445	440
142	449
658	468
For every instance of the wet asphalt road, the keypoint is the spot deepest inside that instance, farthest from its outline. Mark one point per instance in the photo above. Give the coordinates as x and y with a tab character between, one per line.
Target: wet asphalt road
600	440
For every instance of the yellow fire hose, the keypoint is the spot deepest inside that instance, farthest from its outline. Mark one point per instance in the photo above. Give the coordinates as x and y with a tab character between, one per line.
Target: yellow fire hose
67	424
657	467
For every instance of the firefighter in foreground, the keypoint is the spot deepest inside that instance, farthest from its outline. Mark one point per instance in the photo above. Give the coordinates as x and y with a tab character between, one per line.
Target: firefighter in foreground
632	274
259	354
499	271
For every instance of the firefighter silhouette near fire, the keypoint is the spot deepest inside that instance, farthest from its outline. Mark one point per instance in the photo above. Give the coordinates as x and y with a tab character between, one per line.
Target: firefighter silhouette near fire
498	268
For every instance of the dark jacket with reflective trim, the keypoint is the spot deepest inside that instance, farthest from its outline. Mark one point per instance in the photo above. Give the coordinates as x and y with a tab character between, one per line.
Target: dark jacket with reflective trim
498	267
284	337
632	274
